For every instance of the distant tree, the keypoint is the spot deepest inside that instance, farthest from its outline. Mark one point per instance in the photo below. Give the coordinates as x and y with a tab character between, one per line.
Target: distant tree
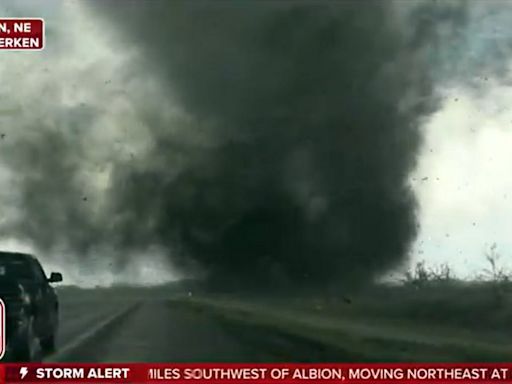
497	274
418	277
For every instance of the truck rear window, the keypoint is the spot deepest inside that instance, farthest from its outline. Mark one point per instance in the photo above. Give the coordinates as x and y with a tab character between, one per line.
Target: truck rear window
18	269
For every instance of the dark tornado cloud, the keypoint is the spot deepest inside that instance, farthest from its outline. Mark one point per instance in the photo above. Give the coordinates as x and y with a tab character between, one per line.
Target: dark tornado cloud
311	114
290	164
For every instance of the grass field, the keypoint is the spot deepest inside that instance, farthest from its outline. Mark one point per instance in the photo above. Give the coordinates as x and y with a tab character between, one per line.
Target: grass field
441	321
437	320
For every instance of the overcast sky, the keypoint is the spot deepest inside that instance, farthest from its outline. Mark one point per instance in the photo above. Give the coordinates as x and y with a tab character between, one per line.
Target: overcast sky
463	180
81	72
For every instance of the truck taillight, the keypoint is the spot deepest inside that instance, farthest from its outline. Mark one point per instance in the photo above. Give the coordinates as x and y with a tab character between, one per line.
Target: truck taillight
24	296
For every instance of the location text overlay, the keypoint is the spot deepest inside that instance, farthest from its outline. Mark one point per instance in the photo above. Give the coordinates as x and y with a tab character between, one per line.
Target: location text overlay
26	34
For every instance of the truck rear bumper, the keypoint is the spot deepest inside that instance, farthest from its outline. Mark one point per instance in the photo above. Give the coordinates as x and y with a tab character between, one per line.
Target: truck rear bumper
16	330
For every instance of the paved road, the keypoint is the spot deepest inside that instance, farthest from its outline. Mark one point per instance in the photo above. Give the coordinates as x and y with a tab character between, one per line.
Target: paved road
127	325
146	330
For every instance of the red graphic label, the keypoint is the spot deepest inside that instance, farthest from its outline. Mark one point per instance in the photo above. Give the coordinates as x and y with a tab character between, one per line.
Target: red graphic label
2	330
26	34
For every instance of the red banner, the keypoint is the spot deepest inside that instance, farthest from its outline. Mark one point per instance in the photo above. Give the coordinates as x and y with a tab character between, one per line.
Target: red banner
178	373
21	34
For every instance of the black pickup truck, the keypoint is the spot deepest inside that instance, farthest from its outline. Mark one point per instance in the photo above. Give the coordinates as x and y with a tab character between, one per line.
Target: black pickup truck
32	306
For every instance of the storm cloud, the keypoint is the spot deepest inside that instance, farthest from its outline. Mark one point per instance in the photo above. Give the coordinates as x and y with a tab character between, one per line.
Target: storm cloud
286	165
309	118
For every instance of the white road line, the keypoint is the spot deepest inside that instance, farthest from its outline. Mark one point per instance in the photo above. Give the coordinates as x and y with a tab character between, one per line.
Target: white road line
78	341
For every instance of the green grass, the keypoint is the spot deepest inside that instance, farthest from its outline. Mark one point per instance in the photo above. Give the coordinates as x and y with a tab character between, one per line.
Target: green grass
448	321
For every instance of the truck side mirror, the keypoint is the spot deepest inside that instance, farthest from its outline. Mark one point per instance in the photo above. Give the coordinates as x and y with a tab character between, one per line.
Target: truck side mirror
55	277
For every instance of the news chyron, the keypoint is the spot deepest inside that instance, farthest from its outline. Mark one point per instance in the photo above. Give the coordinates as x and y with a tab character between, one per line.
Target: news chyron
21	34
